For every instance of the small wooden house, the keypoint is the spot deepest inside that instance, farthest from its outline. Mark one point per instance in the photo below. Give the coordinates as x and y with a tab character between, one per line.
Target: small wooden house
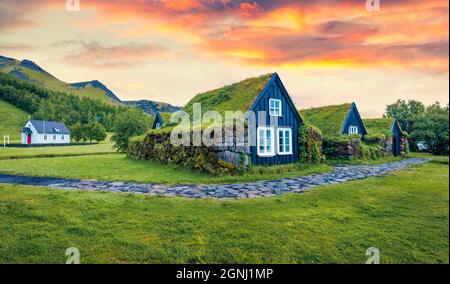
45	132
276	131
158	122
336	119
391	132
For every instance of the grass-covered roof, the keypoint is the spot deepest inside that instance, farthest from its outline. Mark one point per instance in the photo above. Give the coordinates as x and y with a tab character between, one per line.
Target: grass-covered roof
329	119
235	97
376	126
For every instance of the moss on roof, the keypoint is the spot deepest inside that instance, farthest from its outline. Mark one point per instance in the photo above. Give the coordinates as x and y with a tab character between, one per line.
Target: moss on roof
375	126
235	97
329	119
166	117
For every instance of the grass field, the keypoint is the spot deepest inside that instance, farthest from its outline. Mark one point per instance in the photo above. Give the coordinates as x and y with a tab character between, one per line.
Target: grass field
12	121
404	215
117	167
36	152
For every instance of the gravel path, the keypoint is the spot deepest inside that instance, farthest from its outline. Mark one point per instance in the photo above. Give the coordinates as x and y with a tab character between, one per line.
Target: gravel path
237	191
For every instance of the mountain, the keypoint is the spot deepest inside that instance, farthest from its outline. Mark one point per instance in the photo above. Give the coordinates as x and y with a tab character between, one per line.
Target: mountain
152	107
29	71
98	85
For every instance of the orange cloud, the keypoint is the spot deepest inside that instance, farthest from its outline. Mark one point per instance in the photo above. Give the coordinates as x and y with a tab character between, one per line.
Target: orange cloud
94	54
403	34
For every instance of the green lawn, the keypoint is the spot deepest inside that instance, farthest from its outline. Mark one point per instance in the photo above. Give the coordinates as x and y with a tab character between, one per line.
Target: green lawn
404	215
117	167
12	121
17	153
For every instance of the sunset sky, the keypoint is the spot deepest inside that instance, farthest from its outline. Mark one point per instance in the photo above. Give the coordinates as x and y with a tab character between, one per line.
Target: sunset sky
326	52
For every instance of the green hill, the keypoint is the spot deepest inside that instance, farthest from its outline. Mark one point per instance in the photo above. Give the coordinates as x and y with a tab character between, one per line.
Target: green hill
235	97
12	120
329	119
29	71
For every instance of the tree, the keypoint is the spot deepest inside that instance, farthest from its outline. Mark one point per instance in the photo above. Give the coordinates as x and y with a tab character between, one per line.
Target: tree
129	123
96	131
77	132
406	113
432	129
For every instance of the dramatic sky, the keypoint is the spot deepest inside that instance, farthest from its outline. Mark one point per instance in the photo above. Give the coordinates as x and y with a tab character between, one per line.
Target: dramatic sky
326	51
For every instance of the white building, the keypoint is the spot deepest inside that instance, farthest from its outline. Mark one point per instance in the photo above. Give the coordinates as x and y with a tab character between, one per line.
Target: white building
45	132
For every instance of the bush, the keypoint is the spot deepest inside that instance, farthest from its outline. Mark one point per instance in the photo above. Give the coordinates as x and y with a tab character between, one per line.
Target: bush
371	152
310	144
128	124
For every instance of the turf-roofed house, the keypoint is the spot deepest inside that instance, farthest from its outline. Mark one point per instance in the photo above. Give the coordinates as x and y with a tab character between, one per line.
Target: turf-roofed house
275	124
342	128
158	122
335	120
387	132
277	119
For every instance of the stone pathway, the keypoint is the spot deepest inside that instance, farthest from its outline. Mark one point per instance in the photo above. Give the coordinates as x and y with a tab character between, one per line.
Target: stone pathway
235	191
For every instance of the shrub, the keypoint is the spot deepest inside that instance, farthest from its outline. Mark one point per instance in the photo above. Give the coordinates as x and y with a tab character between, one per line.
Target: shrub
128	124
310	144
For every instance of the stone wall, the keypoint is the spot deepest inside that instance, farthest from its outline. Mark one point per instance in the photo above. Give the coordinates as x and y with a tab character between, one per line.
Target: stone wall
231	156
387	143
344	149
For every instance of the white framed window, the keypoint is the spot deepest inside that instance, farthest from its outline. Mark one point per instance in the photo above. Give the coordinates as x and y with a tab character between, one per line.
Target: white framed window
45	137
275	107
352	129
158	125
285	141
62	137
54	137
266	141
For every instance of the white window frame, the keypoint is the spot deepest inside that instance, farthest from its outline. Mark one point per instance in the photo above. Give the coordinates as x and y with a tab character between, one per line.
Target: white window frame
273	113
283	151
265	153
353	129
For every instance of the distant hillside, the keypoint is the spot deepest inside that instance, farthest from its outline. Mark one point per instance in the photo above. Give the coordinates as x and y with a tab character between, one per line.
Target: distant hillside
12	119
152	107
31	72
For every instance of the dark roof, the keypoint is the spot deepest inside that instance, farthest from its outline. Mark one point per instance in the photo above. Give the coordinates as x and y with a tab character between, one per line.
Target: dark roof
51	127
332	119
240	96
354	109
329	119
27	130
158	119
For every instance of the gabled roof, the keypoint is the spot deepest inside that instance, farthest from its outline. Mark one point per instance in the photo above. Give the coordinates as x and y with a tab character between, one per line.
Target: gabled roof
332	119
383	126
50	127
235	97
354	109
329	119
158	119
240	96
27	130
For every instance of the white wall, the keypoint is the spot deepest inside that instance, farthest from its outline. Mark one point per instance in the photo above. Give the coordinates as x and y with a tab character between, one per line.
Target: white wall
38	138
